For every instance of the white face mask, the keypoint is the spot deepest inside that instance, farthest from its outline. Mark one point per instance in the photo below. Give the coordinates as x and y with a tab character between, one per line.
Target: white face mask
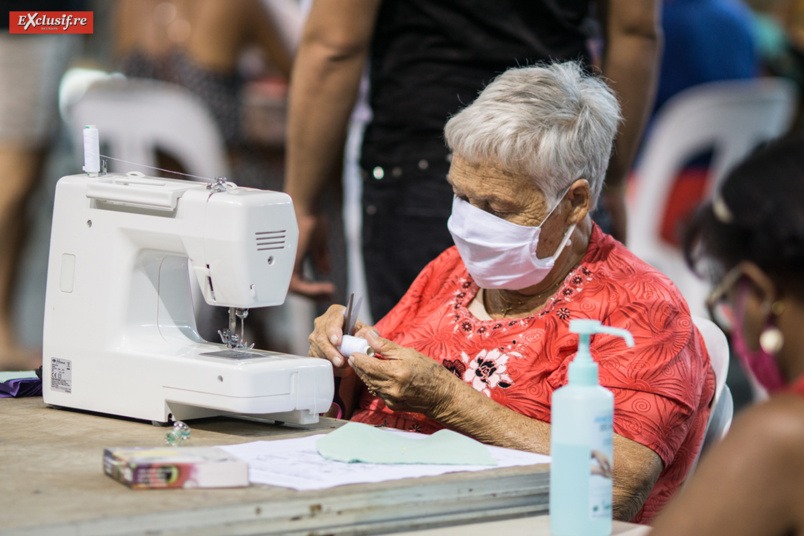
497	253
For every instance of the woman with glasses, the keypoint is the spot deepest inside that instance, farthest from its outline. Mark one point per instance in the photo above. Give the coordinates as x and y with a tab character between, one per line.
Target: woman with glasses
751	239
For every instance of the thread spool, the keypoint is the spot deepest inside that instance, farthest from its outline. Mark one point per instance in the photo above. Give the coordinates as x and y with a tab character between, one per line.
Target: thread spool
351	344
91	149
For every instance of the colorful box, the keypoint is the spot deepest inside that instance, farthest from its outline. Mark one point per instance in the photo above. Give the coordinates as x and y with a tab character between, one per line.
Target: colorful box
175	467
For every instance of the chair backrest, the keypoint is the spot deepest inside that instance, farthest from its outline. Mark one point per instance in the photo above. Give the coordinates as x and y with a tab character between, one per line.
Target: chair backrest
717	345
730	118
135	117
722	407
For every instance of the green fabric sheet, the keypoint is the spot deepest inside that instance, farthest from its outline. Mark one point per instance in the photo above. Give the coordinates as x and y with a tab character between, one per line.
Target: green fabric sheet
15	375
356	442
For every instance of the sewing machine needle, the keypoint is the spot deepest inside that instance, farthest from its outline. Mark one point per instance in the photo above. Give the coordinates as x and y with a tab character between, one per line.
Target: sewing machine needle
355	313
347	315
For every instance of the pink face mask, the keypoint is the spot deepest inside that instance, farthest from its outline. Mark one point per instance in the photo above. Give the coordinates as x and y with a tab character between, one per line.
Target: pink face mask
758	363
499	253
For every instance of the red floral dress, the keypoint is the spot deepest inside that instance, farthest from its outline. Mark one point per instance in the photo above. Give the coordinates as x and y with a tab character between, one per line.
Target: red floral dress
662	386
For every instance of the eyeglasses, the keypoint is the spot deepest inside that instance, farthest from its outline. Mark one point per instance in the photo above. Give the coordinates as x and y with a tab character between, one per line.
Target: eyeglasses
720	308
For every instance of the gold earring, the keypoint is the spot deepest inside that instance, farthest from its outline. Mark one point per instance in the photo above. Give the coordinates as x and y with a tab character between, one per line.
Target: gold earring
771	340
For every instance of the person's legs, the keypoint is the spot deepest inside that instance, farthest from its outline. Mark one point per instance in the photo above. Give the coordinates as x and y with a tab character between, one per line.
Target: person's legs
20	168
404	228
30	69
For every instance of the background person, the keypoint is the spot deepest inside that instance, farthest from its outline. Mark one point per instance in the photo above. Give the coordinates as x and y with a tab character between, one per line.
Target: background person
223	52
30	69
200	45
704	41
753	234
426	60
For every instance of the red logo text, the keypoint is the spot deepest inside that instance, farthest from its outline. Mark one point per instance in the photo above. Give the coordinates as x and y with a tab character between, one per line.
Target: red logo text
50	22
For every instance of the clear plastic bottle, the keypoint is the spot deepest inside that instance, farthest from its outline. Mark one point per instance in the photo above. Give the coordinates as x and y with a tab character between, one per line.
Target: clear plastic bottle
581	436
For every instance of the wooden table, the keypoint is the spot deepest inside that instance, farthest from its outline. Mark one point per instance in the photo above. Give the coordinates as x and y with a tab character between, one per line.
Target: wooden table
522	526
53	483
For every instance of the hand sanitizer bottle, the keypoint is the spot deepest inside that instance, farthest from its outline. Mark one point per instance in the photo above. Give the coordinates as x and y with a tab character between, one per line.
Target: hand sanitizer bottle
581	438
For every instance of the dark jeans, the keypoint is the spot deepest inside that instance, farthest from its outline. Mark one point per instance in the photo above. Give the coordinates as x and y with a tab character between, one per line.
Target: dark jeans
404	228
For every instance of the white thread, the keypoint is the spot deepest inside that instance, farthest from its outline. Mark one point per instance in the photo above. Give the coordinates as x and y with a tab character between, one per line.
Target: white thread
157	169
91	149
351	344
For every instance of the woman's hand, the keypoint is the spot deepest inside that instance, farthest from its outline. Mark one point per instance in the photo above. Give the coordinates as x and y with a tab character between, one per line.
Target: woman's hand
327	335
312	243
405	379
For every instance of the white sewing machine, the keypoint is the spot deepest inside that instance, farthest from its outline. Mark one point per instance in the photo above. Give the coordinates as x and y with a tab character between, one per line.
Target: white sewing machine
120	334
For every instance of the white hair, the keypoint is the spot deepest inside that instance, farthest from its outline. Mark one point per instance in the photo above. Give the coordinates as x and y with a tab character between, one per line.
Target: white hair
554	123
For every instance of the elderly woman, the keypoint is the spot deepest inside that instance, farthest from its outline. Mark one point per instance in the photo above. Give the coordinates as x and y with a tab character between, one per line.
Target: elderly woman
480	341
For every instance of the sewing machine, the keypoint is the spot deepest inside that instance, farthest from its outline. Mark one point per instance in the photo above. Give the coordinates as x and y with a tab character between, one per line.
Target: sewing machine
120	333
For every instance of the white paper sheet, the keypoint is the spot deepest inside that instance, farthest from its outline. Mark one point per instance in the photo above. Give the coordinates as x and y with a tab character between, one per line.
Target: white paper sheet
295	463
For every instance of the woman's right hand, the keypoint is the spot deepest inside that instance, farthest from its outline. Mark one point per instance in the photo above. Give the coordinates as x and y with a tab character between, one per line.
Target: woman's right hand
327	335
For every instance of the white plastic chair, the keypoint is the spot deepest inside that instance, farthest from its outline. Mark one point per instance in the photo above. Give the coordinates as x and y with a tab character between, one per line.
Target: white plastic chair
730	118
722	408
136	116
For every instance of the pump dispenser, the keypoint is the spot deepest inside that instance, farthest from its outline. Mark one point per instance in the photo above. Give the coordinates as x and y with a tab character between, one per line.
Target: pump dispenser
581	437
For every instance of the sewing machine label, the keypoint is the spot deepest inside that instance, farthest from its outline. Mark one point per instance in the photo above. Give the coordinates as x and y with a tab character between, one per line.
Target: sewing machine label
61	375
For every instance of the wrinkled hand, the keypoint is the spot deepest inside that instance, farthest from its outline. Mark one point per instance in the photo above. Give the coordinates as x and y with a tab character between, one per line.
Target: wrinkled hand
405	379
312	242
602	465
327	335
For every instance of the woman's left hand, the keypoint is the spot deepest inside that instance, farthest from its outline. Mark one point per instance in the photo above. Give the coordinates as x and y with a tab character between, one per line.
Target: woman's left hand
405	379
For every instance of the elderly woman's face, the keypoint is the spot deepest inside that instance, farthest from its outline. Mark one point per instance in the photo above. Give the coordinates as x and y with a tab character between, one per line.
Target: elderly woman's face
495	190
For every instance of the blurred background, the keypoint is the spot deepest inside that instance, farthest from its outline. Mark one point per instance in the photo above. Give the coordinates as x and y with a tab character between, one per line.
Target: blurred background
229	63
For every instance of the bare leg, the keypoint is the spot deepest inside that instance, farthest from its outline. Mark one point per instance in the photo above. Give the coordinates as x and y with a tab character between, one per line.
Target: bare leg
20	168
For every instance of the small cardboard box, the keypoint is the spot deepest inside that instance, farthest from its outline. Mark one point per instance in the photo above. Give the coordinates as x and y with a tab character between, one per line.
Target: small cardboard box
175	467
